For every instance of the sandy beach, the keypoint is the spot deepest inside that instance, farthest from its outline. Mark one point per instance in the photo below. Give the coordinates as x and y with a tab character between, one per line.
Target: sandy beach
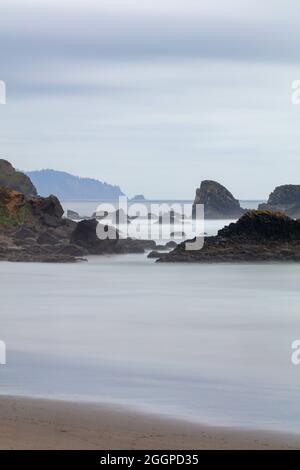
43	424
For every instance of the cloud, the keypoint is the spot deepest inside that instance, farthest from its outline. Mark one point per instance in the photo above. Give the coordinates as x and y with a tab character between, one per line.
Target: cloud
135	30
153	95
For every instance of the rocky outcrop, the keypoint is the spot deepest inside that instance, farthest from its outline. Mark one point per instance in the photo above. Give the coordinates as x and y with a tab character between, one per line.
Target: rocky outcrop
16	209
73	215
47	210
256	236
218	202
15	179
171	244
86	235
33	229
286	199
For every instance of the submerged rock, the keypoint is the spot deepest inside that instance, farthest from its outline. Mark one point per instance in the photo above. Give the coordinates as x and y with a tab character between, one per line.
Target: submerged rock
218	202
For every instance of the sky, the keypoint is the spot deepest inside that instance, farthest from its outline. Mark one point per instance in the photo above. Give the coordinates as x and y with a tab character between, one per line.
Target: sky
153	95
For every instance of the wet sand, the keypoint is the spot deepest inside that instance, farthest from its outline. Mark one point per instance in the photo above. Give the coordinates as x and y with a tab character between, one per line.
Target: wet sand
27	423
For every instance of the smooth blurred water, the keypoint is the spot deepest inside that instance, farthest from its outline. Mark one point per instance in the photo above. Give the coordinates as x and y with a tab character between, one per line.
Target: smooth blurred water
211	343
161	234
87	208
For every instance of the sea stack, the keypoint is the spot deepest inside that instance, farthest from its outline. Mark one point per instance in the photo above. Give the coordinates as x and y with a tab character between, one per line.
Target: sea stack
286	199
218	202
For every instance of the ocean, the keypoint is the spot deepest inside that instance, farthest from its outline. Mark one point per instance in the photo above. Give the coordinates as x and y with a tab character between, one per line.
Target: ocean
207	343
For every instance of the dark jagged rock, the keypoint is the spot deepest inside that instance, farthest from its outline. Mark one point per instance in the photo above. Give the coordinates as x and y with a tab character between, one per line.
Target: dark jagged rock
171	244
263	226
26	231
73	215
48	210
86	235
218	202
162	248
46	238
16	180
154	254
16	209
286	199
286	194
157	253
256	236
33	229
145	244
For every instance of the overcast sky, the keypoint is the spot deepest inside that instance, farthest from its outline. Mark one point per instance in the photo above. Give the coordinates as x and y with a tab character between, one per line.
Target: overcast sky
153	95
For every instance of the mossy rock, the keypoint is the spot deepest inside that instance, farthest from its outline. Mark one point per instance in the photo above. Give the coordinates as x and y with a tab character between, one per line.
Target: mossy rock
16	180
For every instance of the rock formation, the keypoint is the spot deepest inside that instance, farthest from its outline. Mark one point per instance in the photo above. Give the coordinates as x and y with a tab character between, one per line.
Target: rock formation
218	202
284	198
15	179
256	236
33	229
73	215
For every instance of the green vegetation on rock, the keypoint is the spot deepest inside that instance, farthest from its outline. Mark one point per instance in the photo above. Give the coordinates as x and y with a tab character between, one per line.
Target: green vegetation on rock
15	179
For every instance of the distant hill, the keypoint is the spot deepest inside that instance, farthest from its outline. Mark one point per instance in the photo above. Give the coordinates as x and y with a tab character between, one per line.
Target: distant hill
15	179
69	187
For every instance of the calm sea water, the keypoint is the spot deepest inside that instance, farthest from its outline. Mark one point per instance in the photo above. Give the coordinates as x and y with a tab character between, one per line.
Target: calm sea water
210	343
